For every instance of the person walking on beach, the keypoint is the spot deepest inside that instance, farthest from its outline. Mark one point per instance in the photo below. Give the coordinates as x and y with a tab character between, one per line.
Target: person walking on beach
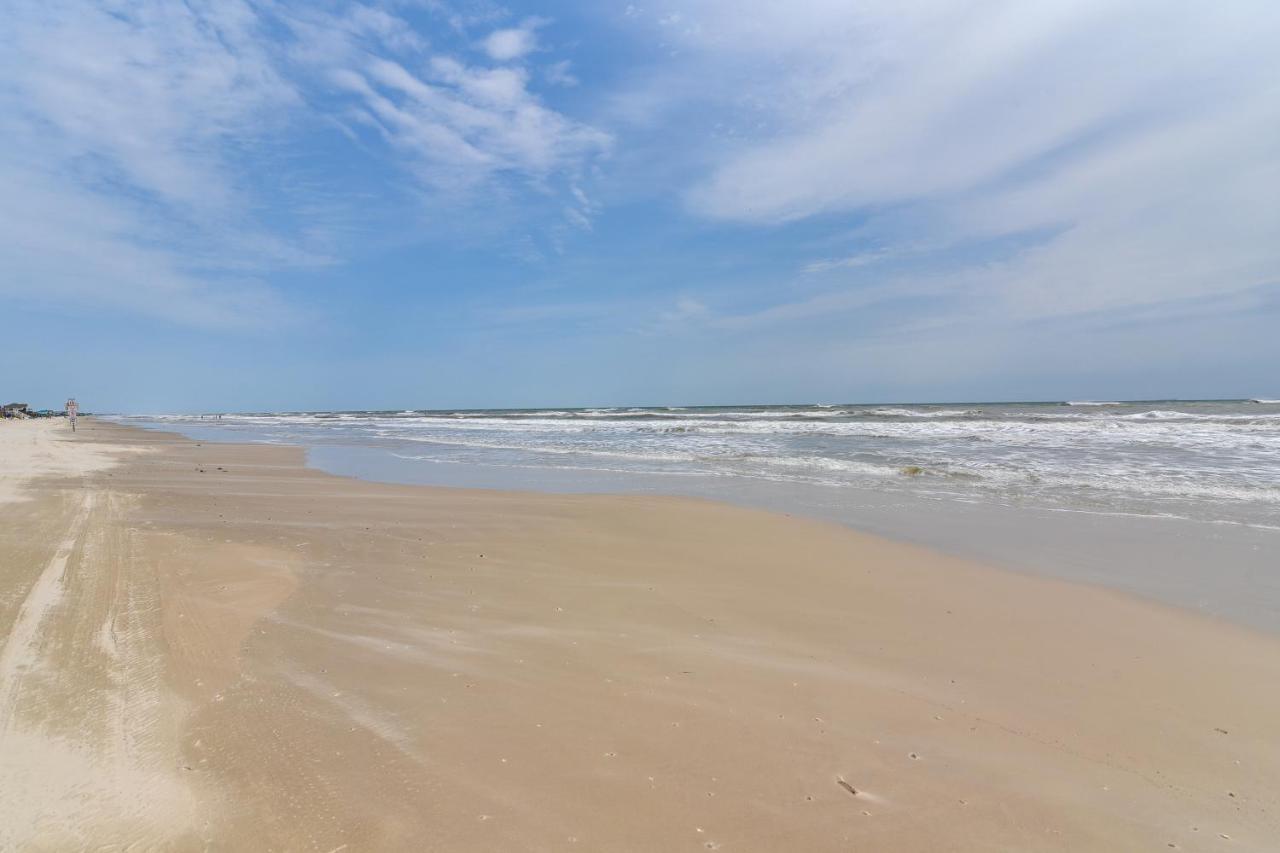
73	409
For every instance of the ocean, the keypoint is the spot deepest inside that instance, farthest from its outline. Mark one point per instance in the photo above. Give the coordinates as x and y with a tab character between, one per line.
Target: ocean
1213	460
1146	496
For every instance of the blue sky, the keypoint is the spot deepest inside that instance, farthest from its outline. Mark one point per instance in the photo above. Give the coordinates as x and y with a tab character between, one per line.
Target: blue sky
277	205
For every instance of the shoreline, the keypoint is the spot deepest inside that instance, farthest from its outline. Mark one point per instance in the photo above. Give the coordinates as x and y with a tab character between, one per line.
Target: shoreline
313	660
1158	558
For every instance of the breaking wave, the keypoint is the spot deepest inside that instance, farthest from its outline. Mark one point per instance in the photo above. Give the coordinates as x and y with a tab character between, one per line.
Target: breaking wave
1217	460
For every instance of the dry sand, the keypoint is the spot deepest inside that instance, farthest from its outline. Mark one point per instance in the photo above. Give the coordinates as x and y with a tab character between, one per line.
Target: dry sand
213	647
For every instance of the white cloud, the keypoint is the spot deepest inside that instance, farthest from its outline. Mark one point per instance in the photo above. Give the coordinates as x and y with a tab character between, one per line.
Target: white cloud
462	125
114	119
146	89
150	146
63	245
1137	138
512	43
457	126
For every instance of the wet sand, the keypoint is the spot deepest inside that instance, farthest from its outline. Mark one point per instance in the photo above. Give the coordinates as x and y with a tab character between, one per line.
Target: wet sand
214	647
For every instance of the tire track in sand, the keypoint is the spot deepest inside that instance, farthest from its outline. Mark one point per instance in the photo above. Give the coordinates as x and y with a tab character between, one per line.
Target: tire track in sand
21	651
88	735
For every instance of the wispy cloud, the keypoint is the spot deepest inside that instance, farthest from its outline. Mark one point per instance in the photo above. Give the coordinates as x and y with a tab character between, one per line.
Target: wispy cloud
1134	138
462	125
68	247
686	311
156	143
116	123
559	74
861	259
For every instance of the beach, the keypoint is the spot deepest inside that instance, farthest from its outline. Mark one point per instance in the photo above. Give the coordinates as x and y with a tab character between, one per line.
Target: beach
214	646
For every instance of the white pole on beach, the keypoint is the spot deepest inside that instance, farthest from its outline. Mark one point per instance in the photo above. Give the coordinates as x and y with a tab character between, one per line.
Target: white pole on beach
73	408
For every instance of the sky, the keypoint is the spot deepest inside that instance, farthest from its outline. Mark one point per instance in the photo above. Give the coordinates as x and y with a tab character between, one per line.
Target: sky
237	205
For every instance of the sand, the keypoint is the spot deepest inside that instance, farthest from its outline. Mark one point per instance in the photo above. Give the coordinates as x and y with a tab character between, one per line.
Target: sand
214	647
31	448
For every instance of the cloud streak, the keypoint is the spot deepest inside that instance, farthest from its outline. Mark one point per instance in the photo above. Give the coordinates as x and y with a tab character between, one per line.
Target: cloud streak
462	125
1134	139
116	123
157	144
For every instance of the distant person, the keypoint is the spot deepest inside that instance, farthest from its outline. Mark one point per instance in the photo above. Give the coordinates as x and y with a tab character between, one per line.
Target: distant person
73	409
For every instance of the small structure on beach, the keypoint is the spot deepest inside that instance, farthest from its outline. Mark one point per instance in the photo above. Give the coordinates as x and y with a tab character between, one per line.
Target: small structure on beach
15	410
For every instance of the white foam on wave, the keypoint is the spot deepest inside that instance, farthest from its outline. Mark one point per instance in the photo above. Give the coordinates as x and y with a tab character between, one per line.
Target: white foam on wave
1209	460
917	413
